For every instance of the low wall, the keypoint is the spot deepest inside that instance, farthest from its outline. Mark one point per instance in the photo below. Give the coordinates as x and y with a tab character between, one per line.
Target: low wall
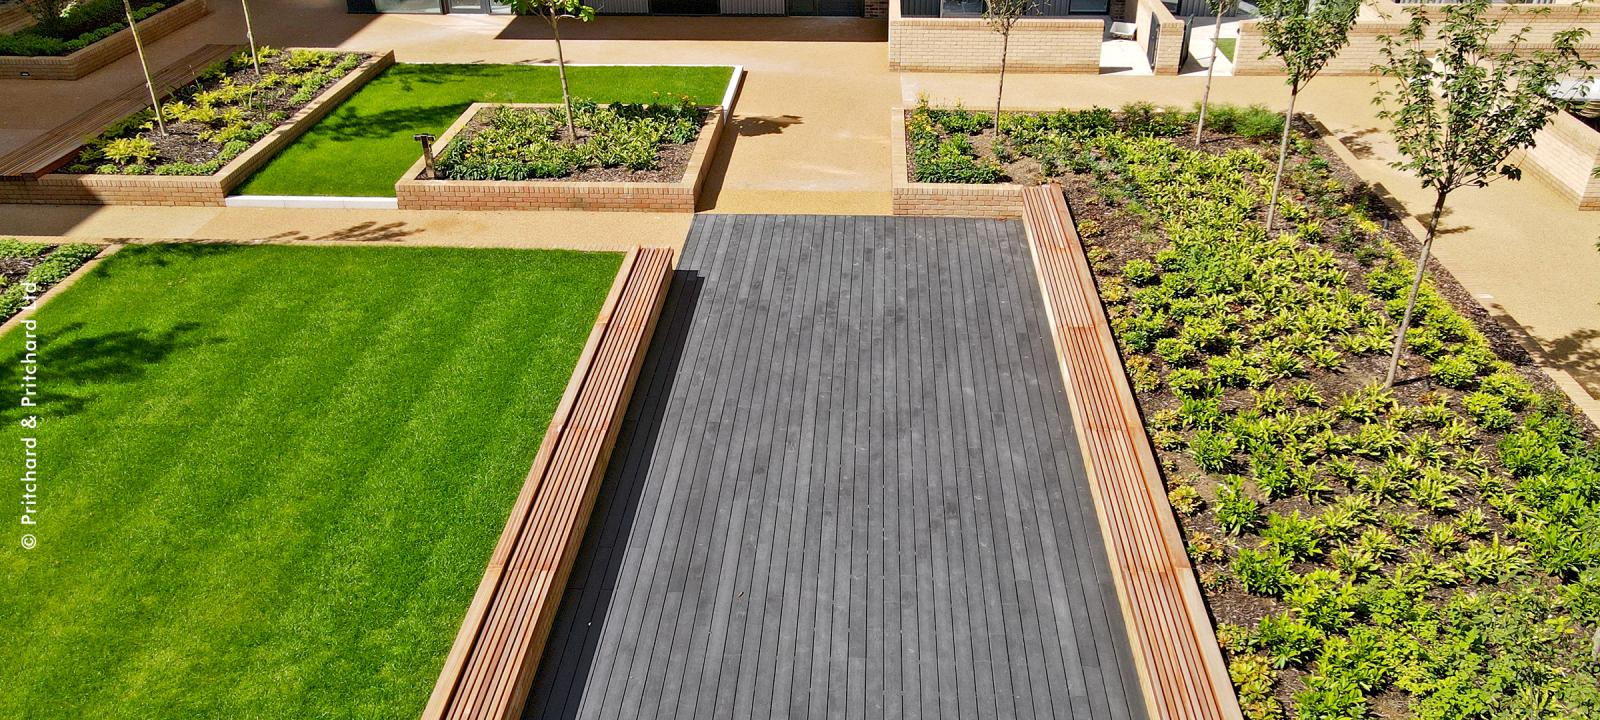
968	45
173	190
414	193
104	52
1169	42
943	199
1565	155
1388	18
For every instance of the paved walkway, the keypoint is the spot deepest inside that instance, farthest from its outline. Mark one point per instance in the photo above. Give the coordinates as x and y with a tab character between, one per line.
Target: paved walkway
848	487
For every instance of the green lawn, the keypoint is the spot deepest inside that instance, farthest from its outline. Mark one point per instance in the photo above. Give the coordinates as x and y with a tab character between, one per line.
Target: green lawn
1226	46
364	146
271	476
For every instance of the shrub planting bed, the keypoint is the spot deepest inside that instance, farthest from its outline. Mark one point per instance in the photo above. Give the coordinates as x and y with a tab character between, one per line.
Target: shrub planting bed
217	117
1430	551
365	146
516	159
83	24
27	270
89	36
620	142
275	473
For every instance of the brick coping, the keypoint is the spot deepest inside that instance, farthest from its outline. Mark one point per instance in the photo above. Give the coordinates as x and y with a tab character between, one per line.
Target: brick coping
83	61
197	190
415	193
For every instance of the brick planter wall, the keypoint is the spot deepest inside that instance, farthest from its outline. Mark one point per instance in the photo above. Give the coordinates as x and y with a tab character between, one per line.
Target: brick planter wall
1564	155
968	45
1388	18
208	190
943	199
105	52
415	193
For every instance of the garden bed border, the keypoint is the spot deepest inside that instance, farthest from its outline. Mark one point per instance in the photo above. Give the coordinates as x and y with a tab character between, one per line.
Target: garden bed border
969	200
1565	155
413	192
105	51
71	279
191	190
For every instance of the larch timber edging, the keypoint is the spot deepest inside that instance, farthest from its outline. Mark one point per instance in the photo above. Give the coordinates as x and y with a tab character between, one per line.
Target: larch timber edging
490	667
1181	668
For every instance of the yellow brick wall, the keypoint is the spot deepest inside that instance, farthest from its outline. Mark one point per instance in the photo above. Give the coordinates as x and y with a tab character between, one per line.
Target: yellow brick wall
968	45
1364	50
1564	156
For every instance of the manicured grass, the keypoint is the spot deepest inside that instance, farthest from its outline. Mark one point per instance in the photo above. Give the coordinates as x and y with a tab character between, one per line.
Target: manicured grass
272	476
364	146
1226	46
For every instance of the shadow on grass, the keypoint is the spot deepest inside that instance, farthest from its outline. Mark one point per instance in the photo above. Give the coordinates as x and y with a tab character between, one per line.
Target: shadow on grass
119	356
570	653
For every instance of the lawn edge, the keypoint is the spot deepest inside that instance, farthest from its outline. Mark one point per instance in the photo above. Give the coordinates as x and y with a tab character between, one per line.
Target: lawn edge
72	279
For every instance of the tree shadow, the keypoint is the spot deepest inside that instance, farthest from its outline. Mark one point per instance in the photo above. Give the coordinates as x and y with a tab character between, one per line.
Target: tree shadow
747	126
1358	144
569	655
757	125
119	356
366	232
1578	353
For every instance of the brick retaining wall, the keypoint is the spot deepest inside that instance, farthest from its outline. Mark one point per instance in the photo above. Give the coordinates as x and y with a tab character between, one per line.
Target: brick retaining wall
1169	44
1387	18
104	52
943	199
173	190
968	45
414	193
1565	155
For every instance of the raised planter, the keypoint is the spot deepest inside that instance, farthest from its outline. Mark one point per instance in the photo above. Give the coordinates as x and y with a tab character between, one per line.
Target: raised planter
104	52
943	199
1565	155
204	190
413	192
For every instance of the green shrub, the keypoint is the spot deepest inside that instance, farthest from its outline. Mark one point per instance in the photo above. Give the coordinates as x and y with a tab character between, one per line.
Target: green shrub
1236	511
1263	572
527	143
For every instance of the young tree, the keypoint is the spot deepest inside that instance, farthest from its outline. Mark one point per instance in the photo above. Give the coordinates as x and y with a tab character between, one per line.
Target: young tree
250	34
1218	7
138	46
1461	105
1002	16
1304	35
553	12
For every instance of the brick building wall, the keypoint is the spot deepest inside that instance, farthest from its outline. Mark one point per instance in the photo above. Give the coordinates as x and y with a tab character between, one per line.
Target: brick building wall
1387	18
105	52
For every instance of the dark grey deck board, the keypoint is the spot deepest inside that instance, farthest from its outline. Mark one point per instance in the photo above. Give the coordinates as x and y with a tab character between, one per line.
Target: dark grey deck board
846	487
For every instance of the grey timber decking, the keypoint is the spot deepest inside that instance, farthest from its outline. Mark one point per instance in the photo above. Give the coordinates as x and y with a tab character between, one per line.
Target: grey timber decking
847	487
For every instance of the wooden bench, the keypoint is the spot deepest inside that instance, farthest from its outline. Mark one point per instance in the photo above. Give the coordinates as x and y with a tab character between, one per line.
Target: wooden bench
1181	669
491	666
51	150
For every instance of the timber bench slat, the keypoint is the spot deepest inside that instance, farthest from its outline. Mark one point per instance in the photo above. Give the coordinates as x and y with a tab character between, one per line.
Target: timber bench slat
490	668
1181	669
49	151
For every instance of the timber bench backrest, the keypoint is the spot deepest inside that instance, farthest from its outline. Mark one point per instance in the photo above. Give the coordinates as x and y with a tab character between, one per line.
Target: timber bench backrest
1181	669
490	668
49	151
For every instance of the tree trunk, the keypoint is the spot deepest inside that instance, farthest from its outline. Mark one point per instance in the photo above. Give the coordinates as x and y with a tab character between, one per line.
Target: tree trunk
1416	286
1205	97
1283	157
561	67
250	34
1005	48
155	103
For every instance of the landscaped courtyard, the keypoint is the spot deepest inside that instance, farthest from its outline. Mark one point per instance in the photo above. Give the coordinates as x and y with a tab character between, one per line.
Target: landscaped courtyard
366	144
274	474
